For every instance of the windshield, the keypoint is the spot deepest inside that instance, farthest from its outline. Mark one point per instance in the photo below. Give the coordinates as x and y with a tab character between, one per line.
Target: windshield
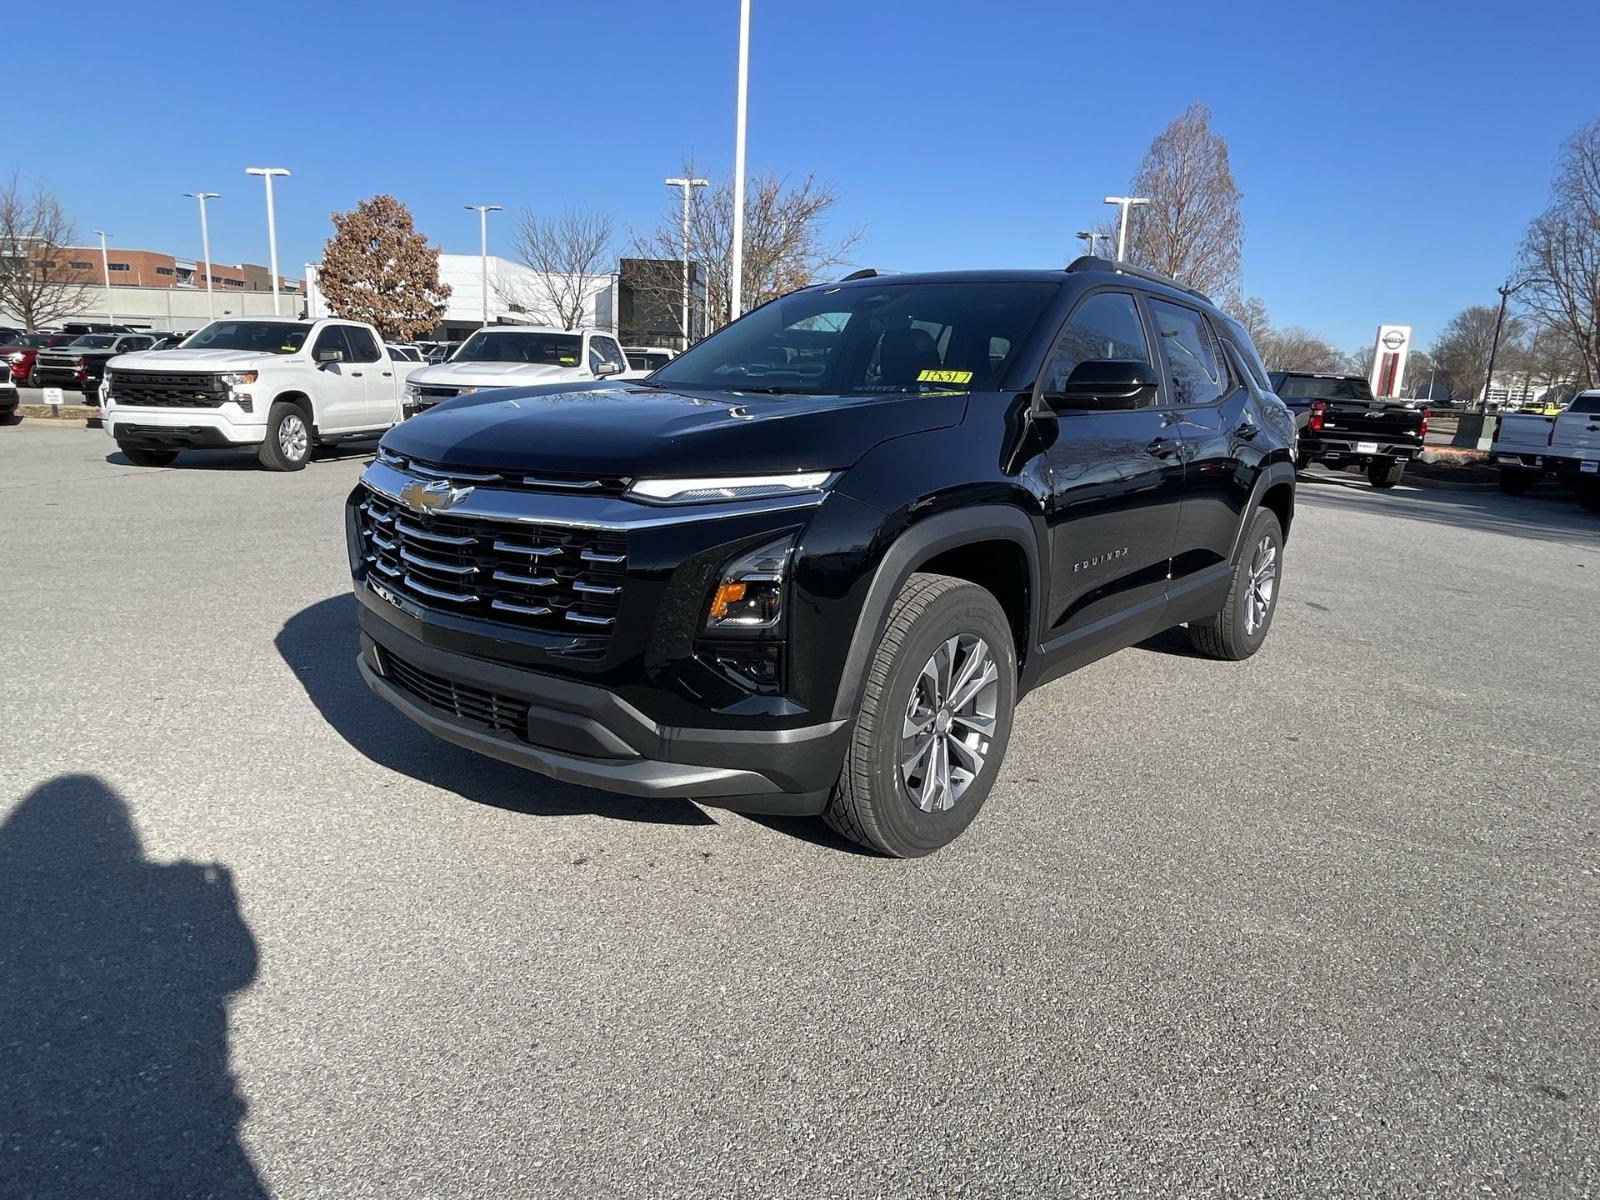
549	349
94	341
264	337
889	338
1322	387
31	340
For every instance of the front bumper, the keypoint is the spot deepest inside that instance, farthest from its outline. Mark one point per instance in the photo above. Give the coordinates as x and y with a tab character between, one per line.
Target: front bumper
182	427
8	398
585	734
64	377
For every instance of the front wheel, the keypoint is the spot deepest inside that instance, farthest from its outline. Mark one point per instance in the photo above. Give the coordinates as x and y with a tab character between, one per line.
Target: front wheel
934	721
288	443
1384	473
1239	627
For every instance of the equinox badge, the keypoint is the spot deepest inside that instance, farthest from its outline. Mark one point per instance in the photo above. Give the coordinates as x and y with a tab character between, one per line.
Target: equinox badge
432	497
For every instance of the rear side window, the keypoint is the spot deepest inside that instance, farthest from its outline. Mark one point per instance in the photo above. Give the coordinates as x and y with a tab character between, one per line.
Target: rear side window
1193	362
363	346
1104	326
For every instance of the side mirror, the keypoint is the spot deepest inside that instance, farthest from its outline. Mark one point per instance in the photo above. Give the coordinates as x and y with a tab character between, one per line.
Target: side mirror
327	355
1105	384
608	367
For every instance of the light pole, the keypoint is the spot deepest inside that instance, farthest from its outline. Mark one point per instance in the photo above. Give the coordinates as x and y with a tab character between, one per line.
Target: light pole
687	185
205	246
267	173
1093	238
1125	203
736	263
105	266
483	211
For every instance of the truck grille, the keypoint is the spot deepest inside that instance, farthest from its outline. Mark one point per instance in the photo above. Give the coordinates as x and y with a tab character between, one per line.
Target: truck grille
160	389
521	481
504	714
428	393
550	577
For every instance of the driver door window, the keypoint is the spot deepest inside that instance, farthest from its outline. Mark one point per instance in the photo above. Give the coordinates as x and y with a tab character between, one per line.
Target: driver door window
331	338
1104	326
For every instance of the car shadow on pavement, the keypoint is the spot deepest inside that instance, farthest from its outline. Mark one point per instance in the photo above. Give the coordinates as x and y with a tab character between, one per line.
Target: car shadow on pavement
320	644
1551	515
244	460
115	973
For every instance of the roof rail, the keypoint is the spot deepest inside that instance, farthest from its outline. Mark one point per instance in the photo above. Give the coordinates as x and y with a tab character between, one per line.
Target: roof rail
863	273
1089	262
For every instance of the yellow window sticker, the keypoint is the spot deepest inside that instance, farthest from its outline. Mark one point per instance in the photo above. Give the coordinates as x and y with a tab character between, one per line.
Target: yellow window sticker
568	360
945	377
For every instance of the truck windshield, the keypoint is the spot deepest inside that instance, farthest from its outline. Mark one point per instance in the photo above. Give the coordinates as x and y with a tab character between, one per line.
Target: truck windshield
881	337
1323	387
512	346
264	337
94	341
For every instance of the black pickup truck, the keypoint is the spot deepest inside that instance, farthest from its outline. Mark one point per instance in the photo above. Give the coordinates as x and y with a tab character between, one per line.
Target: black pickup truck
1343	425
811	564
81	364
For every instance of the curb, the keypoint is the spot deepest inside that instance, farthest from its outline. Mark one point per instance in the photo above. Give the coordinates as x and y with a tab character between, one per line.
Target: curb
1449	485
51	412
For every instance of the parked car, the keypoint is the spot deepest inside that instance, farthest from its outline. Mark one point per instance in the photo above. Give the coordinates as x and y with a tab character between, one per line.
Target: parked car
8	395
79	328
648	358
81	363
1343	425
517	356
819	582
276	385
402	353
19	353
9	332
1567	445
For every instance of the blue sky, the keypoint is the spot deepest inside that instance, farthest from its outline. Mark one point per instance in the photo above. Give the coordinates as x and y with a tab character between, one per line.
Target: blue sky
1390	154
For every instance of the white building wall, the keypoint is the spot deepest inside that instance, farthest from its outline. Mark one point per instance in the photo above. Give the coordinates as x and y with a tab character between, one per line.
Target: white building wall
168	309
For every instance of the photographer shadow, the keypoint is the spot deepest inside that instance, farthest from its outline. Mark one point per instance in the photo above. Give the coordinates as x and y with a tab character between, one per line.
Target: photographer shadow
114	977
320	644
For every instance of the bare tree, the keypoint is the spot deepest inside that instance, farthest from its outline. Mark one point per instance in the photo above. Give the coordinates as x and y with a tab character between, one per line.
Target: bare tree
566	253
1191	229
1464	345
787	242
37	284
1296	349
1251	313
377	268
1561	251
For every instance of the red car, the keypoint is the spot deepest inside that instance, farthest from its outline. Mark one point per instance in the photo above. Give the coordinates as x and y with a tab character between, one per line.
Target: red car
20	351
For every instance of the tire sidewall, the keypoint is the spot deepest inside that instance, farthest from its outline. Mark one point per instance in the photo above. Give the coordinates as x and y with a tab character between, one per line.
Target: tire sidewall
279	414
912	832
1264	523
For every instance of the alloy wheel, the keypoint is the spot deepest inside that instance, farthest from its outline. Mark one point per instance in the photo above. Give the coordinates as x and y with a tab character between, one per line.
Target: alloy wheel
292	439
949	723
1263	581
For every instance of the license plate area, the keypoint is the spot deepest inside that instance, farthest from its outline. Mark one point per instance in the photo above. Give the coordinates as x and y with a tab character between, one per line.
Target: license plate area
1366	447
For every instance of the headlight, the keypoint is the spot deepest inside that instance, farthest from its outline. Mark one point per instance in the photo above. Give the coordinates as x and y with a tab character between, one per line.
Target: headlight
749	594
16	356
466	391
738	487
237	378
412	391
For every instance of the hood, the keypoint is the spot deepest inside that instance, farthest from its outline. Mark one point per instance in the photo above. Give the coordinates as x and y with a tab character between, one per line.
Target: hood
200	360
495	374
624	429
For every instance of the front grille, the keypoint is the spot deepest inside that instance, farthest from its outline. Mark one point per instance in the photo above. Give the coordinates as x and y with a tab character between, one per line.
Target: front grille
507	477
162	389
429	393
504	714
550	577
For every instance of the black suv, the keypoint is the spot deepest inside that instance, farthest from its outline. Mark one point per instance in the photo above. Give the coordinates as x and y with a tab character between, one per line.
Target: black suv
810	565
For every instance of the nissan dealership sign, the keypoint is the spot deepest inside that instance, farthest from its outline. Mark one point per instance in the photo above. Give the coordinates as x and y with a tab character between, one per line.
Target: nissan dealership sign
1389	355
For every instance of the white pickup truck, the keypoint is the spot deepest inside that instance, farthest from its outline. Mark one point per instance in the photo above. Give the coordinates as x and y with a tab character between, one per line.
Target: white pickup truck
277	385
506	356
1567	445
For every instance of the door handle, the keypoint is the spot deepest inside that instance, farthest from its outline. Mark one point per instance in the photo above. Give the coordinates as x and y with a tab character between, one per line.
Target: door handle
1163	447
1247	430
386	374
355	374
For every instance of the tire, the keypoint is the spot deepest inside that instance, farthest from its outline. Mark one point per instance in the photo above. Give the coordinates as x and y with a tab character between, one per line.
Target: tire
1241	625
873	803
143	456
1385	474
1301	462
1517	483
288	443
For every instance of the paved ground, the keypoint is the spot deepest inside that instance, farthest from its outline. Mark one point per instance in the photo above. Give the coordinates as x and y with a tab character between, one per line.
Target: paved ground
1322	923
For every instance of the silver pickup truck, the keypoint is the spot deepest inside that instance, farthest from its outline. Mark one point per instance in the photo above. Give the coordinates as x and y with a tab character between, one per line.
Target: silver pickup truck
1528	447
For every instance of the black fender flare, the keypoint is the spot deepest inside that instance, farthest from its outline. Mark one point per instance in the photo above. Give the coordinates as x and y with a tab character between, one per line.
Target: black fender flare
916	544
1270	476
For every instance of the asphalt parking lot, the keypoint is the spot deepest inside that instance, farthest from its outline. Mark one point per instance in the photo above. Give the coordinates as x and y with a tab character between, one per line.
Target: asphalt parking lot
1326	922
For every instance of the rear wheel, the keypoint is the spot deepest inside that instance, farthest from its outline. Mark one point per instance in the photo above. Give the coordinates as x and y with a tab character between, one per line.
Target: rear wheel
1385	472
1240	626
934	721
288	443
1517	483
143	456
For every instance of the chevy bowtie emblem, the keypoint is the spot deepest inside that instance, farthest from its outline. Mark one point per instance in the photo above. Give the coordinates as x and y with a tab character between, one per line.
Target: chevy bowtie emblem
432	497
